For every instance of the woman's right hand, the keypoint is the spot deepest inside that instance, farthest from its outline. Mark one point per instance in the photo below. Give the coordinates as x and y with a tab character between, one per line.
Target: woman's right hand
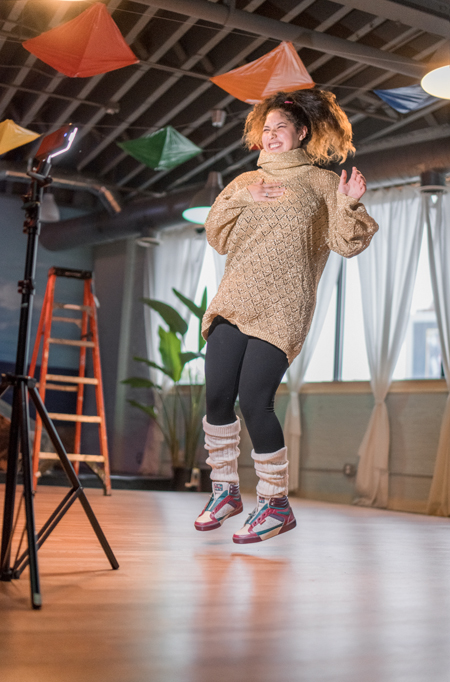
266	191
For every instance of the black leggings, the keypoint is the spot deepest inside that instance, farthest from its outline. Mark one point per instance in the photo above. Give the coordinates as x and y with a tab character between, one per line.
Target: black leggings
237	364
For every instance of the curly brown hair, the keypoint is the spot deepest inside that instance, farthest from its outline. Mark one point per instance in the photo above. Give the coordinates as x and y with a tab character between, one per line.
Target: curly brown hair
329	136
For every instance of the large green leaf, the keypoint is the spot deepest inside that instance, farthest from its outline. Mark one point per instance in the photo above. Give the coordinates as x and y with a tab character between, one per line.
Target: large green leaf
198	312
204	303
170	316
140	382
170	349
148	409
188	357
150	363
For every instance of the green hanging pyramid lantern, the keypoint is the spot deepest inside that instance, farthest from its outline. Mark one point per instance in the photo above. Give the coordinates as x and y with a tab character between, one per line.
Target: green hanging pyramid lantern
161	150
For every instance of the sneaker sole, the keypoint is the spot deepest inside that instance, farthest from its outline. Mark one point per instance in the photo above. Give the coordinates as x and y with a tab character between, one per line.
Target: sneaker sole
246	540
213	525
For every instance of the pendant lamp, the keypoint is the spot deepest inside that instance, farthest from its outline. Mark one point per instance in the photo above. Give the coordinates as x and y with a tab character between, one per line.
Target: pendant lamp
437	82
204	199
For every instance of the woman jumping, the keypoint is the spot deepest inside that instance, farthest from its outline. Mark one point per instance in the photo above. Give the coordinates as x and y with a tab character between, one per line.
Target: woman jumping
277	225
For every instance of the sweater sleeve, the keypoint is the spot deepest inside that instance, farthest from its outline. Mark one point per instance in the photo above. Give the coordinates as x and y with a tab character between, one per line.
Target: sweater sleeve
225	211
350	228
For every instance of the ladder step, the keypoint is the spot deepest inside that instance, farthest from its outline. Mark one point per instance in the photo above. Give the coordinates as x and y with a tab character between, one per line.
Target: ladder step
84	418
58	387
72	457
71	342
72	380
74	320
72	306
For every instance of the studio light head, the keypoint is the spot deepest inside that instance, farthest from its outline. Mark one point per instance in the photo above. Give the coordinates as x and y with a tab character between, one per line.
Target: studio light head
56	143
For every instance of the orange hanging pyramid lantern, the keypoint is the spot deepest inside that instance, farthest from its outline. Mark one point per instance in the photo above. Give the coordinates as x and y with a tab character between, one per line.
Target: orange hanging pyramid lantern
279	69
12	136
85	46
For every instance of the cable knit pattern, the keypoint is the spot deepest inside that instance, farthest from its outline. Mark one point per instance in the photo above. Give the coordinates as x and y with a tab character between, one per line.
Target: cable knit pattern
277	250
272	470
222	443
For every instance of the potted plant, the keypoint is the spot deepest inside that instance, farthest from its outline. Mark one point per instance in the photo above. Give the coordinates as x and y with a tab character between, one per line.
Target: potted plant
176	408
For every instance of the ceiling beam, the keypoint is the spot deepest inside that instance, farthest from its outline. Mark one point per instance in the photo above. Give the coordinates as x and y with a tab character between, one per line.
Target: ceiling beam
253	45
153	97
30	61
403	14
298	35
406	139
355	36
232	63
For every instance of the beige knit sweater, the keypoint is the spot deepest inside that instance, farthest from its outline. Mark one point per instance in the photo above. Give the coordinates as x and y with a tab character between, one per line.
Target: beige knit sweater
277	250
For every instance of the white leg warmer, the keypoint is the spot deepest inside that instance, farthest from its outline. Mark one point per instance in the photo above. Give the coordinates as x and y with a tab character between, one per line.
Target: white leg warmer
222	443
272	470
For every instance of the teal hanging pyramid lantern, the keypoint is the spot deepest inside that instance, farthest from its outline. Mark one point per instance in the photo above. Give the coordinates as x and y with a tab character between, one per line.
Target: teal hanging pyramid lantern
162	150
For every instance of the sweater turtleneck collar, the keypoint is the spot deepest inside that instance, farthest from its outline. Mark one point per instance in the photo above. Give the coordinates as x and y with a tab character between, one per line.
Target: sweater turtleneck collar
273	161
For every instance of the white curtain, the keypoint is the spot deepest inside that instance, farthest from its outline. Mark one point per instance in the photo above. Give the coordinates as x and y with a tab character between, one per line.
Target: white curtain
296	372
437	221
175	263
387	272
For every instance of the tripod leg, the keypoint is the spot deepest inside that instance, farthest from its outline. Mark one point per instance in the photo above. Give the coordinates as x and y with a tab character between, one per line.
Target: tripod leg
73	478
4	387
10	490
28	494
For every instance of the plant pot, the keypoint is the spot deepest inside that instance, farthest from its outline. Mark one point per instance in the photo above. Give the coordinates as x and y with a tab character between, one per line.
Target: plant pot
194	480
181	476
205	480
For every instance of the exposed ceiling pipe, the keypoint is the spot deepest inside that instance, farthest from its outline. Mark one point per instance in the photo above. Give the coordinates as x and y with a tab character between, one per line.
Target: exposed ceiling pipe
105	194
134	220
229	17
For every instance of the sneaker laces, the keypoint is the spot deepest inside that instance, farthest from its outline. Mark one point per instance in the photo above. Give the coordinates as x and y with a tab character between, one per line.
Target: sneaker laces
261	502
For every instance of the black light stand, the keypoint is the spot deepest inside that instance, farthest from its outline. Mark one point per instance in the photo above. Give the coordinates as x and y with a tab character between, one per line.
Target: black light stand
24	387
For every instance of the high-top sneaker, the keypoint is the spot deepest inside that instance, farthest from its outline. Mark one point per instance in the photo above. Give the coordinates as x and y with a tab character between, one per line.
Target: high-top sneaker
225	501
269	518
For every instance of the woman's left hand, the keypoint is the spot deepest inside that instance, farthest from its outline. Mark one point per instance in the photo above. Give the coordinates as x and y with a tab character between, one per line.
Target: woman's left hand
356	185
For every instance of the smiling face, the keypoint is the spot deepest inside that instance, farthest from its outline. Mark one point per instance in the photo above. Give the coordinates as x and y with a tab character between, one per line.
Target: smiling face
280	134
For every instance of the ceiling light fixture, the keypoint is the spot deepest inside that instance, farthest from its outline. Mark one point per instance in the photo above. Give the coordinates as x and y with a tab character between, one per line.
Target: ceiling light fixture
201	203
218	117
437	82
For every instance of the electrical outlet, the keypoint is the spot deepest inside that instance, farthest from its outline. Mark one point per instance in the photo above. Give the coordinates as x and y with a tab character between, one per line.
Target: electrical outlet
349	470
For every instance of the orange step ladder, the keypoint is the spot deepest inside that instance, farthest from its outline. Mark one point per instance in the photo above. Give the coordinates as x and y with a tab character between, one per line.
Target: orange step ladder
88	327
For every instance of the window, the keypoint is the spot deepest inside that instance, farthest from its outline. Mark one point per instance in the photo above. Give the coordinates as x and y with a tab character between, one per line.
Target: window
355	366
420	356
321	367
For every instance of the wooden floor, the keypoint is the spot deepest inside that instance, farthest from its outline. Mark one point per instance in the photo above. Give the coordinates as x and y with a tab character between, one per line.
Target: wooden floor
352	595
